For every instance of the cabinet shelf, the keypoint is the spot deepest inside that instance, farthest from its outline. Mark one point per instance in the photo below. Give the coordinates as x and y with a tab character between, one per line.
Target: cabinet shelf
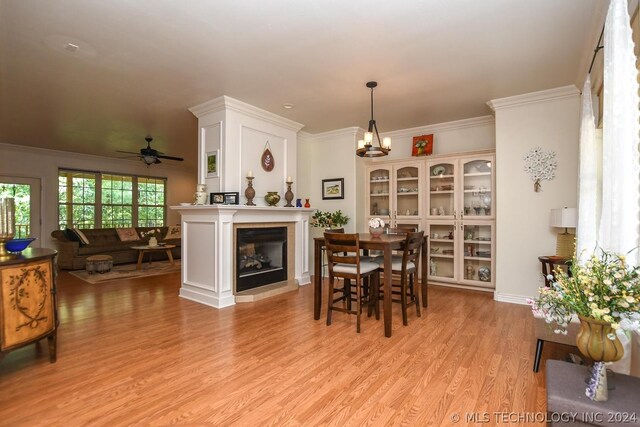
374	181
379	195
408	193
442	240
413	178
478	174
441	176
486	190
479	242
442	192
478	258
441	256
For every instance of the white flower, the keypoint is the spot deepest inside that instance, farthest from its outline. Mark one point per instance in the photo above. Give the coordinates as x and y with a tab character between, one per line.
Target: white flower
376	223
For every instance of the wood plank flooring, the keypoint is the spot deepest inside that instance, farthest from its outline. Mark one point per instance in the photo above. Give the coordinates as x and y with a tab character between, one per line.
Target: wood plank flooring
132	352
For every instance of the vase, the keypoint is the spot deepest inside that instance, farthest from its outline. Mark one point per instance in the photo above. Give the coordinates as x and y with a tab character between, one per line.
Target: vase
307	204
153	241
376	232
272	198
298	203
593	340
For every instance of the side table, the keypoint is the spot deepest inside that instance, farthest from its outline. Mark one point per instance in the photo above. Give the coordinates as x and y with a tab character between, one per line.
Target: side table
567	403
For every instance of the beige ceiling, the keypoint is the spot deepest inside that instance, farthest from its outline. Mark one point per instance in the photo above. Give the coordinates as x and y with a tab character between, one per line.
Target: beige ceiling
141	64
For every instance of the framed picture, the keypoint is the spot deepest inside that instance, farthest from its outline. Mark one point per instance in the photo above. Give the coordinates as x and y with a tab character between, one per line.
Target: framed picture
333	188
212	163
422	145
224	198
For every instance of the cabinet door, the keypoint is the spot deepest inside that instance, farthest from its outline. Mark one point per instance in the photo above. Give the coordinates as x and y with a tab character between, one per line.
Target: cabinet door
407	194
379	194
442	203
478	252
27	302
442	251
478	187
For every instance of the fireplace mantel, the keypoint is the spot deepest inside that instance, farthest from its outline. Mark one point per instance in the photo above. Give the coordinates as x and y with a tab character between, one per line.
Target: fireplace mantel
208	247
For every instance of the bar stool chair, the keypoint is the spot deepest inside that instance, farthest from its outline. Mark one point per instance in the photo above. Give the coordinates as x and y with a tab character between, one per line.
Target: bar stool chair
406	268
343	253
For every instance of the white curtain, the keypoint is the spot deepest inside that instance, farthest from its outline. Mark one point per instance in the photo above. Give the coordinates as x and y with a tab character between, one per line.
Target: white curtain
589	185
618	227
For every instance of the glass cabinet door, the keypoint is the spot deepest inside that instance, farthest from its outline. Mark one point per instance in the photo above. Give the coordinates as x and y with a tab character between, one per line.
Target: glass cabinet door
477	247
407	192
380	192
477	179
442	183
442	255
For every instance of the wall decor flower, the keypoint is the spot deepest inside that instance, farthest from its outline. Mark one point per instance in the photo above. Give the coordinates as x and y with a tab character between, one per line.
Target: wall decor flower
540	165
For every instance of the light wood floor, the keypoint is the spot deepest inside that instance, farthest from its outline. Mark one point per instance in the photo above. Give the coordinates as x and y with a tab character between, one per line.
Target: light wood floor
132	352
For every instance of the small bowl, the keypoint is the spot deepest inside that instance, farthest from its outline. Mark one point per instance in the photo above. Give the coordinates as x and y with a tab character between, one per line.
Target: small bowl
162	243
18	245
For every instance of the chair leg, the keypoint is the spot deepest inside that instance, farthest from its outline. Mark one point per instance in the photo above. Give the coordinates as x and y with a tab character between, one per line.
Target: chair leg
403	300
330	299
358	308
347	292
415	293
536	361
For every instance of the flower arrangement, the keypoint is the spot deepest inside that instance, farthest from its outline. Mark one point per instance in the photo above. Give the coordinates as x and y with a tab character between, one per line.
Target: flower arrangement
376	223
329	219
604	288
154	232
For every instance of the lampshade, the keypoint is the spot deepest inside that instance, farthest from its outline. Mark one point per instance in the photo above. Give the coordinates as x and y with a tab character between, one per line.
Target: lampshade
564	218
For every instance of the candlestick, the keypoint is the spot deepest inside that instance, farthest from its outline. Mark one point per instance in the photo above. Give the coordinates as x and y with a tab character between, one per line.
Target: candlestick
289	180
250	193
288	196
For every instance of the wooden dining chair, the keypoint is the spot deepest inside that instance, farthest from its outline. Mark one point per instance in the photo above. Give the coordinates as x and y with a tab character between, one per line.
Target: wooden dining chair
343	253
406	267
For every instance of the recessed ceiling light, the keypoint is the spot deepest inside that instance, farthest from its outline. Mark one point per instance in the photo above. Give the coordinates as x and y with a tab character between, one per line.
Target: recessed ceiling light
70	46
287	106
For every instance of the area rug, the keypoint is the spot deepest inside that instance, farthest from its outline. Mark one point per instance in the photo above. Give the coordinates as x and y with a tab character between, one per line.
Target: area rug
128	271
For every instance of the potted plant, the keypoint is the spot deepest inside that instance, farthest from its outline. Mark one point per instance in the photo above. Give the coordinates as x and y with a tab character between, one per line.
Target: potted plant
604	293
329	220
153	235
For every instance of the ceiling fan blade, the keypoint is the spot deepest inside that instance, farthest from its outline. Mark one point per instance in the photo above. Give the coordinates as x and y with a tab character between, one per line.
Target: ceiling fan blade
180	159
127	152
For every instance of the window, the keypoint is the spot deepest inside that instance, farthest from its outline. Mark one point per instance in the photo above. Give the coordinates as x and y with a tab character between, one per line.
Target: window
103	200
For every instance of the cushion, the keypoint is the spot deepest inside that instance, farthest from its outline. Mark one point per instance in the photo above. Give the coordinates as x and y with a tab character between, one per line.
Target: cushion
365	267
70	235
173	232
81	236
396	264
127	234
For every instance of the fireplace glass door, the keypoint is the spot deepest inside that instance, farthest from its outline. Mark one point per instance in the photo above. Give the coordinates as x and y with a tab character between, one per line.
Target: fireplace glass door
261	257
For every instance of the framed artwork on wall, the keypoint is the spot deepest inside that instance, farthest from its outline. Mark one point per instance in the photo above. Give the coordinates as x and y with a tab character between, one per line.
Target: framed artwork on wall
422	145
333	188
212	163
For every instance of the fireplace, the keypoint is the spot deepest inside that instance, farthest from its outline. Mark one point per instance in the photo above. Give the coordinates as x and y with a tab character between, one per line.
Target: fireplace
261	257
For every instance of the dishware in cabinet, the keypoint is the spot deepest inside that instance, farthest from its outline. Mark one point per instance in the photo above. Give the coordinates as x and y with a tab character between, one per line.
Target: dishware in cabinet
478	253
442	184
477	199
394	191
443	251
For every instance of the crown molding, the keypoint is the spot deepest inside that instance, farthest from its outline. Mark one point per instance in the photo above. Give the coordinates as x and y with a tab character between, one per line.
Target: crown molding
534	97
224	102
314	137
440	127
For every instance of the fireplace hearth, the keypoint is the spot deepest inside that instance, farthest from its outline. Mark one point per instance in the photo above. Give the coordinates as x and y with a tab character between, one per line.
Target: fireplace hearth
261	257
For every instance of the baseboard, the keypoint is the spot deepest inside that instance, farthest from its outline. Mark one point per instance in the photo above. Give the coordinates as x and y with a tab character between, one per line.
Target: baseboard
305	279
511	298
206	299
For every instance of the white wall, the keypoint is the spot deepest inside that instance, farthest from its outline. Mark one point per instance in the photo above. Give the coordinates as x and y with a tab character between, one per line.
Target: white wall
43	164
549	119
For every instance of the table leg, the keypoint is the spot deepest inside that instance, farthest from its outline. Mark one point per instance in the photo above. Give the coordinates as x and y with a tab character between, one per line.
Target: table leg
425	271
317	283
170	256
387	292
140	255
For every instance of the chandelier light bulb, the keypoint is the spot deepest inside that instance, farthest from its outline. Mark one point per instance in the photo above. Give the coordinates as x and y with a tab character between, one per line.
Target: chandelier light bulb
386	142
368	137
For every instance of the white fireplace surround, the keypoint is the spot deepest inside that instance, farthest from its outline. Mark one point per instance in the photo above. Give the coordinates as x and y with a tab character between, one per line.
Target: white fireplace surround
208	252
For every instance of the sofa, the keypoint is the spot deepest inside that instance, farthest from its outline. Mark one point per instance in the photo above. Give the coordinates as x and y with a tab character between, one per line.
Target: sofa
72	255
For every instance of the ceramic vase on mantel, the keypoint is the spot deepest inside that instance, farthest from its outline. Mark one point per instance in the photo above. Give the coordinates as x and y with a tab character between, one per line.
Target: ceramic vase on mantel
593	342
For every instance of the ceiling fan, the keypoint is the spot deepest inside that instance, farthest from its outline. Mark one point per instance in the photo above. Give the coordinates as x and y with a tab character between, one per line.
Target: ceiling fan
150	156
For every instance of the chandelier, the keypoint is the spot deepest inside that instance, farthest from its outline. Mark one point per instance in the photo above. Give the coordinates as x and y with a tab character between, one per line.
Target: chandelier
365	146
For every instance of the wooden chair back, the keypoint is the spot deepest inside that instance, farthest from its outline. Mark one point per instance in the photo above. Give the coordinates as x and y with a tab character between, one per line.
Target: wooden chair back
411	249
342	248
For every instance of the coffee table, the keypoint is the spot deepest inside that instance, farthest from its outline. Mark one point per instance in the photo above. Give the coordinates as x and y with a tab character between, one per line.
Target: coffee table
151	249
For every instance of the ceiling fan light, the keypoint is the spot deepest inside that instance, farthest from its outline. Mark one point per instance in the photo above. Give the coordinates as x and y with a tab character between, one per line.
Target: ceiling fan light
149	160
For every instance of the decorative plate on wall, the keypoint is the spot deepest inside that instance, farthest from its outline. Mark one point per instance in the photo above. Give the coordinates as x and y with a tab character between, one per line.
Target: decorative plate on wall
267	160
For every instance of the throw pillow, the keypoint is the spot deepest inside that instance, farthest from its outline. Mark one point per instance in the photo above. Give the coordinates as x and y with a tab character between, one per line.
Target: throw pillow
70	235
81	236
173	232
127	234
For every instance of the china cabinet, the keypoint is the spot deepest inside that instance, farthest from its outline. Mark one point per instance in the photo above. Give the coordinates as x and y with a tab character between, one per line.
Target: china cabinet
394	193
451	198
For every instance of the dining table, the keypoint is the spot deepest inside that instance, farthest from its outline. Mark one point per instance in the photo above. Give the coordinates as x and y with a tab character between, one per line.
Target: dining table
386	243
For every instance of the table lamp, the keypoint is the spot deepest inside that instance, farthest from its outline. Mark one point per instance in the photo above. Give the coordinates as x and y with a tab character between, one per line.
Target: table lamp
564	218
